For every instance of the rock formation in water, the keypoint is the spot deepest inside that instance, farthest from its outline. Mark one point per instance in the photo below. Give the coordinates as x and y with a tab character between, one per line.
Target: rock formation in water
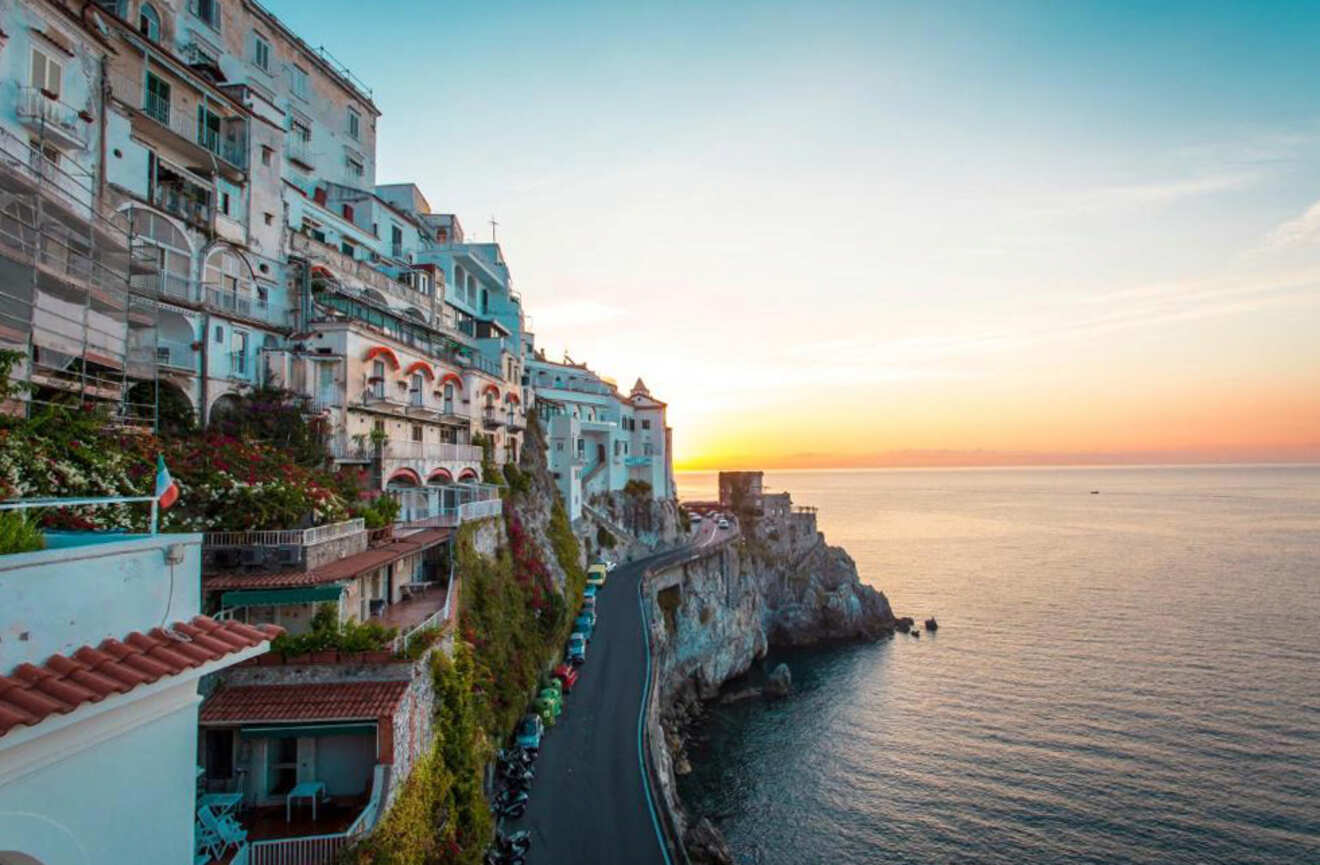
715	616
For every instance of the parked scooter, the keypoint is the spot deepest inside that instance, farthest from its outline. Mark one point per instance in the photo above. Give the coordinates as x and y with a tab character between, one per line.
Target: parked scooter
510	803
509	849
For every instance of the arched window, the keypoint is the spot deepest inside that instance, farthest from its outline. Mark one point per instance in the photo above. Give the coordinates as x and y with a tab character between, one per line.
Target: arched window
228	280
149	22
157	239
449	397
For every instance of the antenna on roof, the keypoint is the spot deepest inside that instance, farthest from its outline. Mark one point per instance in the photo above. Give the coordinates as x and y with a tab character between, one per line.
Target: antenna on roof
493	226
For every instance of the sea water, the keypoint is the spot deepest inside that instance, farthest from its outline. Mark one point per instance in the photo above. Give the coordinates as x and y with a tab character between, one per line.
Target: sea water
1126	676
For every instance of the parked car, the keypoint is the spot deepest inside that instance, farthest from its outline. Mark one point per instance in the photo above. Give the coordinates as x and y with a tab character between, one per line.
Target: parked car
589	603
589	591
529	732
585	624
568	675
723	523
694	519
596	574
554	698
553	684
576	653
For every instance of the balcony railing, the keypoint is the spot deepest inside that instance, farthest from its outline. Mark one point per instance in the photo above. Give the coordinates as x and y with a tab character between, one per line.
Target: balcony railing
173	199
177	355
437	451
174	286
40	111
299	150
448	505
319	849
230	148
74	188
286	537
246	305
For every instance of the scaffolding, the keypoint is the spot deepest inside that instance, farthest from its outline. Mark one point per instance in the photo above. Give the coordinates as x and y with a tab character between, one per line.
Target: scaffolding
87	341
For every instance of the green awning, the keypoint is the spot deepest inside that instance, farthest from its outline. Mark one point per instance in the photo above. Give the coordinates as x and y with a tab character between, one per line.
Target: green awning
293	731
278	597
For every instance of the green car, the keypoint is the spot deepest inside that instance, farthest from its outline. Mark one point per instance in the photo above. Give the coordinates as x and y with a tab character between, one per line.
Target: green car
546	709
554	698
554	685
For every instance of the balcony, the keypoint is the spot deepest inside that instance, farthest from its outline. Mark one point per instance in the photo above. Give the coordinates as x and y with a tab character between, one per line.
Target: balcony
382	398
176	355
183	201
492	419
434	451
450	416
299	152
57	122
172	286
238	364
244	305
223	149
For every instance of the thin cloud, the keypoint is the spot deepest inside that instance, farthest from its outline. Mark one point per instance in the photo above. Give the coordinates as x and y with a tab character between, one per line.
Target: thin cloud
1300	231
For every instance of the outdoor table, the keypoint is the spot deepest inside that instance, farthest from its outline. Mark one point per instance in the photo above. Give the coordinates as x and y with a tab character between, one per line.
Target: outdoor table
306	790
221	803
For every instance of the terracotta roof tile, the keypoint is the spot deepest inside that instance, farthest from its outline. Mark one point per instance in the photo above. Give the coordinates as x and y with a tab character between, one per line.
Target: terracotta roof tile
30	693
340	701
344	569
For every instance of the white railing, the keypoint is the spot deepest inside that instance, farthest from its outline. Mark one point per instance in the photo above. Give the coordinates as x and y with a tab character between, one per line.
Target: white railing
439	451
171	285
308	850
479	510
39	109
179	355
434	620
320	849
285	537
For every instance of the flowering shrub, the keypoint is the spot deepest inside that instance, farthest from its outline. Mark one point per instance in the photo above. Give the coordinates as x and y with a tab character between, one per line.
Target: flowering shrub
225	484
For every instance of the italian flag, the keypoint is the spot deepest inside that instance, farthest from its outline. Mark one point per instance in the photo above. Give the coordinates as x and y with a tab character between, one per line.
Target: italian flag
167	491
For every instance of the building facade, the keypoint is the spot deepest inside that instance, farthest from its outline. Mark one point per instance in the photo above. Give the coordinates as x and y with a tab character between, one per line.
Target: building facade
99	702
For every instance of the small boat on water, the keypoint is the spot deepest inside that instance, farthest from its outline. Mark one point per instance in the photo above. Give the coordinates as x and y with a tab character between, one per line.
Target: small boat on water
1095	492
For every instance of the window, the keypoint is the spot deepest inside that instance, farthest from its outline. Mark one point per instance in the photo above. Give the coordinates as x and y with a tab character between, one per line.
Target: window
238	352
47	74
260	52
559	447
208	11
346	248
219	333
269	217
646	424
378	379
354	124
158	98
299	81
416	432
646	448
300	131
149	22
266	154
224	203
416	391
355	166
208	129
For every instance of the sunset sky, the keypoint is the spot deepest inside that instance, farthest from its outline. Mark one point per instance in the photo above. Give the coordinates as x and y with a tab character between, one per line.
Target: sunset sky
866	233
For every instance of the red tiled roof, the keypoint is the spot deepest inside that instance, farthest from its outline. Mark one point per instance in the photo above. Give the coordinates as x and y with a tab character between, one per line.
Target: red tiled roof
340	701
344	569
30	693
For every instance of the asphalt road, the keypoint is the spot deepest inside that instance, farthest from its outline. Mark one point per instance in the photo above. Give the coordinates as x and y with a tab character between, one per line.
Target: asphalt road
588	804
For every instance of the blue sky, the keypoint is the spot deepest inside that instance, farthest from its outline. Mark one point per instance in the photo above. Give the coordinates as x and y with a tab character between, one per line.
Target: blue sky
1004	226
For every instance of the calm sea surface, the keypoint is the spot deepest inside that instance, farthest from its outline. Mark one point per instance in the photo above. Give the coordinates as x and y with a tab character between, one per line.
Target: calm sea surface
1132	676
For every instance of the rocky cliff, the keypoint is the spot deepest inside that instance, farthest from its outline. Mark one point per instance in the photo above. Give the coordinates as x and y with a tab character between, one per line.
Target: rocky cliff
713	616
780	585
636	524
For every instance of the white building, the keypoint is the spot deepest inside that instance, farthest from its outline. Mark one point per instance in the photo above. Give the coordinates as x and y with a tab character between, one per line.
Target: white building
600	439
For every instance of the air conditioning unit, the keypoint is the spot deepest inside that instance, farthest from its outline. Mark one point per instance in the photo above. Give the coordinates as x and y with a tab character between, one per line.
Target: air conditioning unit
288	555
251	557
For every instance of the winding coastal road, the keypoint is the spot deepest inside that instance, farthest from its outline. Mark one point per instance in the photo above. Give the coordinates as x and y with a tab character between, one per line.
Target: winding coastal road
588	803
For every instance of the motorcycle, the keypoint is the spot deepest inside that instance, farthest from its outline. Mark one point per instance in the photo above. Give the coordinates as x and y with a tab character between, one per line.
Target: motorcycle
510	803
514	844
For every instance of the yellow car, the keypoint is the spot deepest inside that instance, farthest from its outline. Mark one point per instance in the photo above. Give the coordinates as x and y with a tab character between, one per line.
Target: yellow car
596	574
